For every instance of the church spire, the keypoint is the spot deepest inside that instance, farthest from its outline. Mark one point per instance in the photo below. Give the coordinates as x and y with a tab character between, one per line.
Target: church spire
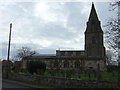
93	24
93	14
94	36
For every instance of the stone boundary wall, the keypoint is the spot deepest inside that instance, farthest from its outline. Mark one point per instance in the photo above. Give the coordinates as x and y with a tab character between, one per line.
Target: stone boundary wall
59	82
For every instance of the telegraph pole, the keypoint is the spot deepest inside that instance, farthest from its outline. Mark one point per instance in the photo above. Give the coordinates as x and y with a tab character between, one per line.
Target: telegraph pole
8	69
9	42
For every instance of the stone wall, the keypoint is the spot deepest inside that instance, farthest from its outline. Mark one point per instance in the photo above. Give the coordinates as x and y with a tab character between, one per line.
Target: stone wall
59	82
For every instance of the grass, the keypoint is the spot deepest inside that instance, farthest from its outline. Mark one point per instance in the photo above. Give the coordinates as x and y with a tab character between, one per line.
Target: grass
74	76
86	77
25	73
47	74
105	76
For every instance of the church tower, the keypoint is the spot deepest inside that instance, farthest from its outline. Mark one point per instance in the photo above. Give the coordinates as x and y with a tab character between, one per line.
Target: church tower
94	36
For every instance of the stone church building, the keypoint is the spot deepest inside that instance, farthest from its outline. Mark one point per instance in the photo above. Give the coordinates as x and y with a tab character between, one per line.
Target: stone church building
77	60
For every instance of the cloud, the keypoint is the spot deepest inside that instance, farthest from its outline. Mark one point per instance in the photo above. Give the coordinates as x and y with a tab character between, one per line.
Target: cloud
44	25
41	29
47	12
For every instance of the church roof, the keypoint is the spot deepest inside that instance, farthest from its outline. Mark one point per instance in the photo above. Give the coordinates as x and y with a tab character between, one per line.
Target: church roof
65	57
43	55
79	51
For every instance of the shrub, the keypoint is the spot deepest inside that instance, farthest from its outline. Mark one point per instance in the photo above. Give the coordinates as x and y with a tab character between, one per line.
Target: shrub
37	67
112	68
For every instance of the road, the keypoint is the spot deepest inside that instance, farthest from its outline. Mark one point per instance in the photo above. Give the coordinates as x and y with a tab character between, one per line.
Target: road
13	84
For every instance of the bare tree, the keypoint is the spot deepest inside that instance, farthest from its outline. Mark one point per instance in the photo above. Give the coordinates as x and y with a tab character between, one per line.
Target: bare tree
113	33
109	55
25	51
113	29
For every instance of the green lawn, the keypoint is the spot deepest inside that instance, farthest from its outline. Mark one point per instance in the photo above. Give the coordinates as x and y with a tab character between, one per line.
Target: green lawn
105	76
86	76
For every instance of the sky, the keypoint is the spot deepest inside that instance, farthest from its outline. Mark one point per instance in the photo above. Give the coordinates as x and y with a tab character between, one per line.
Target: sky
47	26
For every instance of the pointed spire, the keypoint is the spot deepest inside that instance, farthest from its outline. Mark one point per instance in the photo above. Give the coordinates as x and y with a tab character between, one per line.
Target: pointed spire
92	3
93	14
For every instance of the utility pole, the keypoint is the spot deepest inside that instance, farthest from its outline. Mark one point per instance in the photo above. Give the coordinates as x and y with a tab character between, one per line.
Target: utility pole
9	42
8	68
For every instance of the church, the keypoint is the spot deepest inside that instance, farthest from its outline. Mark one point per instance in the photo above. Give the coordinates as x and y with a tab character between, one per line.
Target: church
78	60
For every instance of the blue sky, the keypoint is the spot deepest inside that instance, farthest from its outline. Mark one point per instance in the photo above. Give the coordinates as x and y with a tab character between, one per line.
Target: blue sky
47	26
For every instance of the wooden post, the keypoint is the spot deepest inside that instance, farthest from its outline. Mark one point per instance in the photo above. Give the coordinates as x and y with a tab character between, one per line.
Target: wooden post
9	42
8	60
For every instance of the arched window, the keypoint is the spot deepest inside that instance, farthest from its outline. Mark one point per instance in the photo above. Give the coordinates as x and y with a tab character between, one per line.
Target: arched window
66	64
77	64
56	64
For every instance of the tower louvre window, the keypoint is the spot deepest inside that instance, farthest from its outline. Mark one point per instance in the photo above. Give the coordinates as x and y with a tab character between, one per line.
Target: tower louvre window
94	40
